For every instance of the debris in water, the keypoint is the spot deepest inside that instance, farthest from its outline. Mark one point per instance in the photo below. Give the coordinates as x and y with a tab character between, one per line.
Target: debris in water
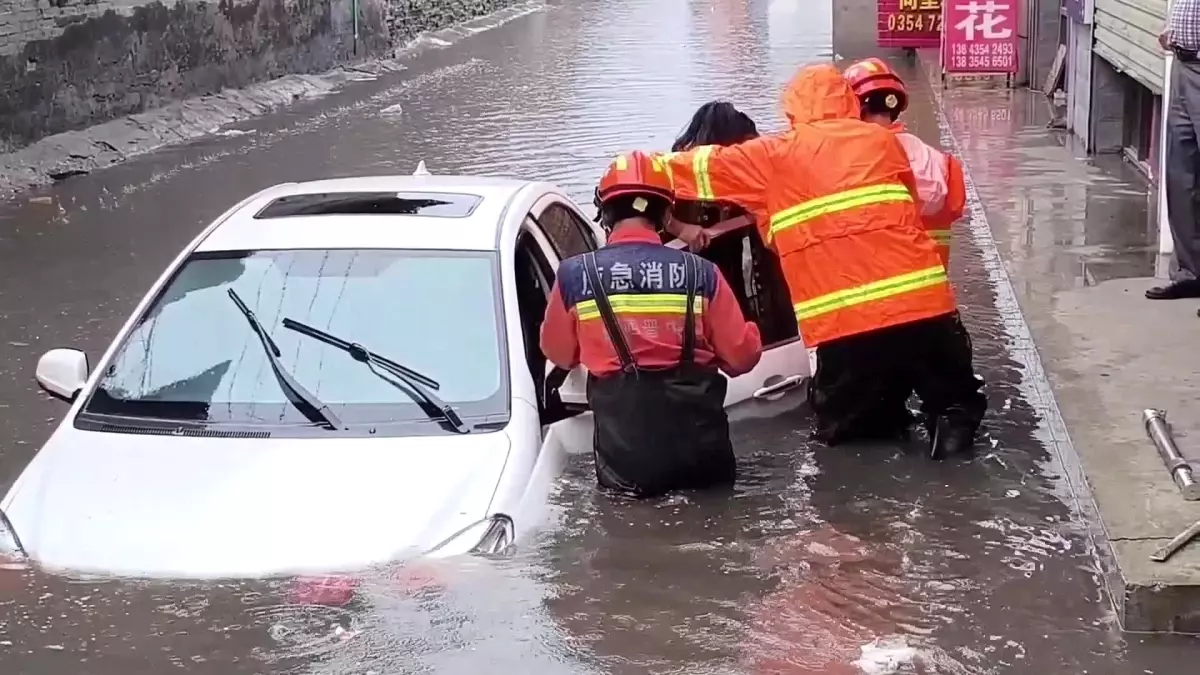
886	656
330	590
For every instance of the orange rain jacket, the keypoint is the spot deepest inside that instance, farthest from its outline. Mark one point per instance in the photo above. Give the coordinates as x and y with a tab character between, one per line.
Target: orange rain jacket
843	212
940	186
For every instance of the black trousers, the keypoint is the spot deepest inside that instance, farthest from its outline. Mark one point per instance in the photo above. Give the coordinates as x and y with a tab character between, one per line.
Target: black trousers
863	381
660	431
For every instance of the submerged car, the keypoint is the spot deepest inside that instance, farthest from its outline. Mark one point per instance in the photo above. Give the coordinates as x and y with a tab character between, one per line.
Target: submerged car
332	375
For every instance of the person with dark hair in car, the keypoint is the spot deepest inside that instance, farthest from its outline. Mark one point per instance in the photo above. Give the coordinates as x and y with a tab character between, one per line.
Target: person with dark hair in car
720	123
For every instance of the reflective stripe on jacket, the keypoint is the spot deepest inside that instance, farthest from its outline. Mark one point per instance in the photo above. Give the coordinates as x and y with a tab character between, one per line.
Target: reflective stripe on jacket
843	218
940	187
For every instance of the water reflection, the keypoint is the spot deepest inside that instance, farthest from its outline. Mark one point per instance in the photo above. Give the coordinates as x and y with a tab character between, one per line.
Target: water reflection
821	560
1066	222
649	586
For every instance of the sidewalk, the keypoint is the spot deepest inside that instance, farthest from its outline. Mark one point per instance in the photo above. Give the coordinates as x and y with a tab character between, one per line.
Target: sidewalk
1070	249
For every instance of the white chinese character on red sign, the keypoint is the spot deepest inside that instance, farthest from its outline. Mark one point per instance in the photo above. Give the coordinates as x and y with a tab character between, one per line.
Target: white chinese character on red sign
982	17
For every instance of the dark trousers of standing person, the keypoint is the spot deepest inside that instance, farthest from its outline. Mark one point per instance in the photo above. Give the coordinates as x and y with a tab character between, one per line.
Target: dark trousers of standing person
1183	169
862	381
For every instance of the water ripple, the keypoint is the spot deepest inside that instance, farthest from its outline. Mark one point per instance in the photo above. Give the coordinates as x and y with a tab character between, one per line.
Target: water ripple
844	560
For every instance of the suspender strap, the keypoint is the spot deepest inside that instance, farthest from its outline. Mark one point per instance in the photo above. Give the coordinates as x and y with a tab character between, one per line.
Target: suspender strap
688	353
610	319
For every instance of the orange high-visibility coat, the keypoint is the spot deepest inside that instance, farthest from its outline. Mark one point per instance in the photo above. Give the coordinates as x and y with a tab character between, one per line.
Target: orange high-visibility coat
940	187
843	211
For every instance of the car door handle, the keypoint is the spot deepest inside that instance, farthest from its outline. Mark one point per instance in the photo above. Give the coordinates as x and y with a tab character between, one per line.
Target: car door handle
781	386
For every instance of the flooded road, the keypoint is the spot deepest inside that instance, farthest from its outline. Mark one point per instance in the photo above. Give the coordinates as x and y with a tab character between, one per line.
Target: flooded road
822	561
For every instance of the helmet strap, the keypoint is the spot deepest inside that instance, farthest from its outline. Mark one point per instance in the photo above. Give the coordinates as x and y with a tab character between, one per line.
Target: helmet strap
596	203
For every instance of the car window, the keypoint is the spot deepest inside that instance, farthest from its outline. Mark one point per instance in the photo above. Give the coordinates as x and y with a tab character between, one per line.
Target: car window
535	251
534	278
429	204
567	232
194	356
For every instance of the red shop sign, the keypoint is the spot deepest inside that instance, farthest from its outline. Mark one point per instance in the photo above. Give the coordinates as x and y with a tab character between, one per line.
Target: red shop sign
980	37
913	24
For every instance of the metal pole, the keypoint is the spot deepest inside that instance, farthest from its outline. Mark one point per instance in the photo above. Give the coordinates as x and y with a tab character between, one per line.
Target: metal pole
354	10
1166	243
1173	459
1179	541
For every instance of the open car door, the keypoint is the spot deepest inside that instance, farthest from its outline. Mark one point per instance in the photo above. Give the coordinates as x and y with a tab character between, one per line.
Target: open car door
786	364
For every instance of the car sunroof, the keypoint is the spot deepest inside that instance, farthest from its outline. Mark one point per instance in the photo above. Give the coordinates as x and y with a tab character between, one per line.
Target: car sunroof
436	204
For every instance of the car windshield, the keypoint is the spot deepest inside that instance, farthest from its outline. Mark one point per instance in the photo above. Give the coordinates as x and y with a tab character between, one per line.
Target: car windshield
195	355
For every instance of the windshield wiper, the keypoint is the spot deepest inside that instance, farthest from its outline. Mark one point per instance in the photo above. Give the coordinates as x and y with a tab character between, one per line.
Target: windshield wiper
417	386
310	406
353	347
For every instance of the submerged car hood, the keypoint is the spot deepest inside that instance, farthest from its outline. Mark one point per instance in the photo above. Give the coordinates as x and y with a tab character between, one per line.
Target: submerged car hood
211	507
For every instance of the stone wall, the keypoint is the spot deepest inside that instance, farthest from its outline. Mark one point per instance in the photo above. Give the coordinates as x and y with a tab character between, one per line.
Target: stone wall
69	64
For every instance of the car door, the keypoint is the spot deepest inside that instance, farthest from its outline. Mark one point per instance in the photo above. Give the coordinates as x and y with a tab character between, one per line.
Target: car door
786	364
566	421
569	233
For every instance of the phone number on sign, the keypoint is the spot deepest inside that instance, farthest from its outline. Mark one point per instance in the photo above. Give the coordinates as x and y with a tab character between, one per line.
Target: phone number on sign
980	116
999	62
914	22
980	48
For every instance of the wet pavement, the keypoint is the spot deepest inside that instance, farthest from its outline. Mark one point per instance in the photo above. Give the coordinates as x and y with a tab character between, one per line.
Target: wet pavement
1078	241
821	561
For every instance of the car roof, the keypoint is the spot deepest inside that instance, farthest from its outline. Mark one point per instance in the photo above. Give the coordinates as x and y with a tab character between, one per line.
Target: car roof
478	231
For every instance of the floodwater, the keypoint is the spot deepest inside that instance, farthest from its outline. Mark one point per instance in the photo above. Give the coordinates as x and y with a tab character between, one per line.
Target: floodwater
851	560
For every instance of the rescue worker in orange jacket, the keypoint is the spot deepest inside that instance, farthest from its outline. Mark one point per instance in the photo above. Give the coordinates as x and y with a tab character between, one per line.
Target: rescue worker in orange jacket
940	182
869	289
652	325
941	185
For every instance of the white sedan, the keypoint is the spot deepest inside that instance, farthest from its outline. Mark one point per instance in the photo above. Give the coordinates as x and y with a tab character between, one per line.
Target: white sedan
333	374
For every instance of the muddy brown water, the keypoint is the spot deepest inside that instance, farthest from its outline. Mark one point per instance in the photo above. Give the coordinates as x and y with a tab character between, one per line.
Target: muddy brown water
977	566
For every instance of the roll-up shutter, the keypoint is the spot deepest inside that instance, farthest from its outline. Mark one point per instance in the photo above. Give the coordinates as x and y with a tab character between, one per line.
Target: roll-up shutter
1126	34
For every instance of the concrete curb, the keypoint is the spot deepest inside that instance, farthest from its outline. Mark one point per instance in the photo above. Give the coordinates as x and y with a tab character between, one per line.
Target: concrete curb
81	152
1139	606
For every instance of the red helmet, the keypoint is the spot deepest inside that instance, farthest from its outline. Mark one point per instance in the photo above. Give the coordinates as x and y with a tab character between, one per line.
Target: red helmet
871	76
636	173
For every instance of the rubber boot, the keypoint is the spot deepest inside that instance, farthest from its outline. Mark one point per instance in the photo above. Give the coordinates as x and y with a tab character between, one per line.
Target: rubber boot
948	438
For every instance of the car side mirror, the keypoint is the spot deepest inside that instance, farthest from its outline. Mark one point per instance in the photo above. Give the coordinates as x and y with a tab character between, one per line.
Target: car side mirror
62	373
